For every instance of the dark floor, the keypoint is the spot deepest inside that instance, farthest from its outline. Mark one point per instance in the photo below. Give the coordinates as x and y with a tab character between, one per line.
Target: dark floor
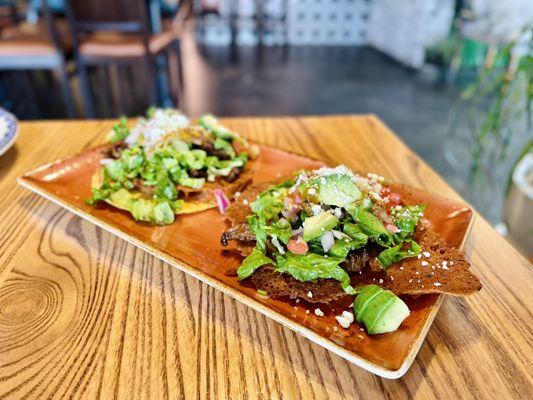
296	80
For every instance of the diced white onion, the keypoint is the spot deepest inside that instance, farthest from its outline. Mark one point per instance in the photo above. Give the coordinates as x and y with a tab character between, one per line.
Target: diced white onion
277	244
106	161
327	241
289	215
337	212
316	209
296	232
338	234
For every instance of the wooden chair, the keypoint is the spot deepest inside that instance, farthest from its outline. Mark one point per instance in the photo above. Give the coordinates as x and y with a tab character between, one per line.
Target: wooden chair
37	48
113	33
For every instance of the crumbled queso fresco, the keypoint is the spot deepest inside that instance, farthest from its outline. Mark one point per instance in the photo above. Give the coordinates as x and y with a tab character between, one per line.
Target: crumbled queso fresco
150	131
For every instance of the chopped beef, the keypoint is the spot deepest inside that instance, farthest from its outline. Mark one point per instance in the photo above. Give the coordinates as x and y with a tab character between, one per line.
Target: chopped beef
197	173
209	148
239	232
356	261
147	191
115	150
233	175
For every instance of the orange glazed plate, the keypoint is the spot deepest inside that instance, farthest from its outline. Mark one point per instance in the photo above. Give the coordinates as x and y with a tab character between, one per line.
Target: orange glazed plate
192	244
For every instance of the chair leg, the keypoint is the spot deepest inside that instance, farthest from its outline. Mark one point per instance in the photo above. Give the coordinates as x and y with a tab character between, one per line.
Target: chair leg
65	88
30	90
86	90
173	91
177	50
119	78
163	80
152	74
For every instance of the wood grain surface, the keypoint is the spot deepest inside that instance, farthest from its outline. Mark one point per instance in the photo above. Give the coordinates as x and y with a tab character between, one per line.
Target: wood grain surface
85	314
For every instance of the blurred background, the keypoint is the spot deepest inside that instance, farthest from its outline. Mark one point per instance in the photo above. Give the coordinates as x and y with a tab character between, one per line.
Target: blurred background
452	78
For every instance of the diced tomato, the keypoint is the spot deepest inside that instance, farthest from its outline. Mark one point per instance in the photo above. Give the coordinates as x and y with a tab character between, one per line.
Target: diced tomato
297	197
395	199
385	191
293	203
392	228
297	246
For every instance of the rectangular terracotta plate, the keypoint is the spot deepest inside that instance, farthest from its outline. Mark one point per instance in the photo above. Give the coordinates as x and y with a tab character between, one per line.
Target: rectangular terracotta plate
192	245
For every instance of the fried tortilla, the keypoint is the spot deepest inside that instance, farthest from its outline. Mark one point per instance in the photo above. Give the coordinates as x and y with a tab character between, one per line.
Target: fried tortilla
440	268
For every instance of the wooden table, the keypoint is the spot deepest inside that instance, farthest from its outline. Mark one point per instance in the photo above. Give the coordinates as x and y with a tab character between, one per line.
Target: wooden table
85	313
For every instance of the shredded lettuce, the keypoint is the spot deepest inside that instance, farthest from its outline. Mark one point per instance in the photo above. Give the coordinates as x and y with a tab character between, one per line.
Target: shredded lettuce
342	247
258	228
270	202
371	226
281	229
397	253
224	145
310	267
254	260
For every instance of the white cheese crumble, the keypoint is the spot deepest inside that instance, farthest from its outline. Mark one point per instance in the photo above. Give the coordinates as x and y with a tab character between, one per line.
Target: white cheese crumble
438	284
426	254
310	295
424	263
344	322
318	312
316	209
149	132
348	315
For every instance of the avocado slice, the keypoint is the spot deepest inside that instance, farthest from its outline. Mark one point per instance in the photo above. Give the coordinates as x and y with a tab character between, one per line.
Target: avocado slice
337	190
363	298
380	310
316	225
212	124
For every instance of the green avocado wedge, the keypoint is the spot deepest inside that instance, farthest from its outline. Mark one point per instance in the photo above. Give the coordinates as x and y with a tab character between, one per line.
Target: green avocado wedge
380	310
337	190
316	225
